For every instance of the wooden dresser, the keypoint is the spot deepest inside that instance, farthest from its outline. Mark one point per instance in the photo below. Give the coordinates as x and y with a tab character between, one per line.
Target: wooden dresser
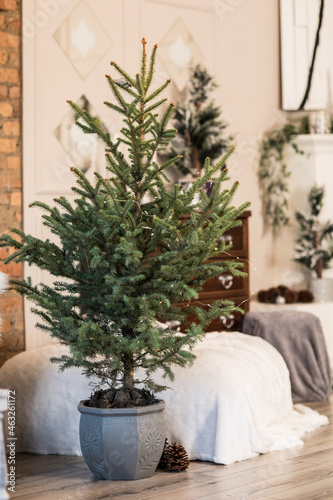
227	286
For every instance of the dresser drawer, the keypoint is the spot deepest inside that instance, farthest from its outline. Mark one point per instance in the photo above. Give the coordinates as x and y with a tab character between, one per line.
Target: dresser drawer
226	285
224	323
238	238
232	321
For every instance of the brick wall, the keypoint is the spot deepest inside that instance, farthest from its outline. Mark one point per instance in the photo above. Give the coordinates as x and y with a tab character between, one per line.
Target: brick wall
11	305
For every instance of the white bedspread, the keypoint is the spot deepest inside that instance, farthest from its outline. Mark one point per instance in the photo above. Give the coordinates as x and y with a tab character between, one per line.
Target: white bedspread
231	405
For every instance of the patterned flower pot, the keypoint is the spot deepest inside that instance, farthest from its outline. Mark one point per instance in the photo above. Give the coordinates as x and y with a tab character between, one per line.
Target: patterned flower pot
122	443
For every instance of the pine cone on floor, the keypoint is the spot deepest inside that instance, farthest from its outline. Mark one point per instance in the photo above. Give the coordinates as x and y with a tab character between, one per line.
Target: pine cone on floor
174	457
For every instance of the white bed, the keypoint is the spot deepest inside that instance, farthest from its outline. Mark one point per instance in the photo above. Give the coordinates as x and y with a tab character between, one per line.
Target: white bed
232	404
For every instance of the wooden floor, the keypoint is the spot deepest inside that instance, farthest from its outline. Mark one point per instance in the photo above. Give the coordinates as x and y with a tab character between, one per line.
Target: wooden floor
302	473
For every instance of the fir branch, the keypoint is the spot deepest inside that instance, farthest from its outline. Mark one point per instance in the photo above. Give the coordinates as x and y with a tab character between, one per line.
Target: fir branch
109	191
91	122
140	85
143	61
166	117
151	67
157	91
84	128
90	190
121	173
123	73
115	107
159	137
116	92
136	148
159	169
145	111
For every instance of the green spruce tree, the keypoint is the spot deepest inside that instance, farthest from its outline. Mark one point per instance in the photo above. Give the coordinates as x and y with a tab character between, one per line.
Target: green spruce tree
128	250
199	125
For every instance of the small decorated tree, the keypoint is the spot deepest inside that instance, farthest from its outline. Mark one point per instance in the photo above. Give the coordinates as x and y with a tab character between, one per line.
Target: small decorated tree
200	128
127	250
314	245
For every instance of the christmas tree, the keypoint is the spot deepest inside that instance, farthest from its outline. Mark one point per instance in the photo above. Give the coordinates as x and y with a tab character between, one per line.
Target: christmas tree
128	249
200	129
314	245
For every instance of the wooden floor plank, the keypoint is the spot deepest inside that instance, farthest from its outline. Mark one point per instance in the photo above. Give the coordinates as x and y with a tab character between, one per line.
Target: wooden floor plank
314	491
300	473
239	487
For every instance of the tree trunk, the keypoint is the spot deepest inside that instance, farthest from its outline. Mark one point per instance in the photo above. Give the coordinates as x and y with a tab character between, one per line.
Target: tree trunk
319	265
319	269
128	378
196	162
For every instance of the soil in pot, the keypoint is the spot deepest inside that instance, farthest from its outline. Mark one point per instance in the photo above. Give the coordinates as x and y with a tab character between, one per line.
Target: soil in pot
121	398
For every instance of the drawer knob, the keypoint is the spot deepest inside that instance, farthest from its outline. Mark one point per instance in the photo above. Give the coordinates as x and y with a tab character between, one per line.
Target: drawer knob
227	239
227	321
226	281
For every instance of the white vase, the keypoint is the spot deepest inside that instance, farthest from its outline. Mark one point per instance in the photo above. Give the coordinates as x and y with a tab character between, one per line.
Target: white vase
322	289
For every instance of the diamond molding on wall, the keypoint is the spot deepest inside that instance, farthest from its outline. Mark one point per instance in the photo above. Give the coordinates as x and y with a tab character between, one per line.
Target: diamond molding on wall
83	39
178	51
81	148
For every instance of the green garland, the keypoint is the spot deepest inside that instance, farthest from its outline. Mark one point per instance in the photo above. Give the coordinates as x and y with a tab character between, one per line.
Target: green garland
274	173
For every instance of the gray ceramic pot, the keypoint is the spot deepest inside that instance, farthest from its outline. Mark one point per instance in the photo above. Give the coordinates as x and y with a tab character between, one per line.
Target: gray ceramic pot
122	443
